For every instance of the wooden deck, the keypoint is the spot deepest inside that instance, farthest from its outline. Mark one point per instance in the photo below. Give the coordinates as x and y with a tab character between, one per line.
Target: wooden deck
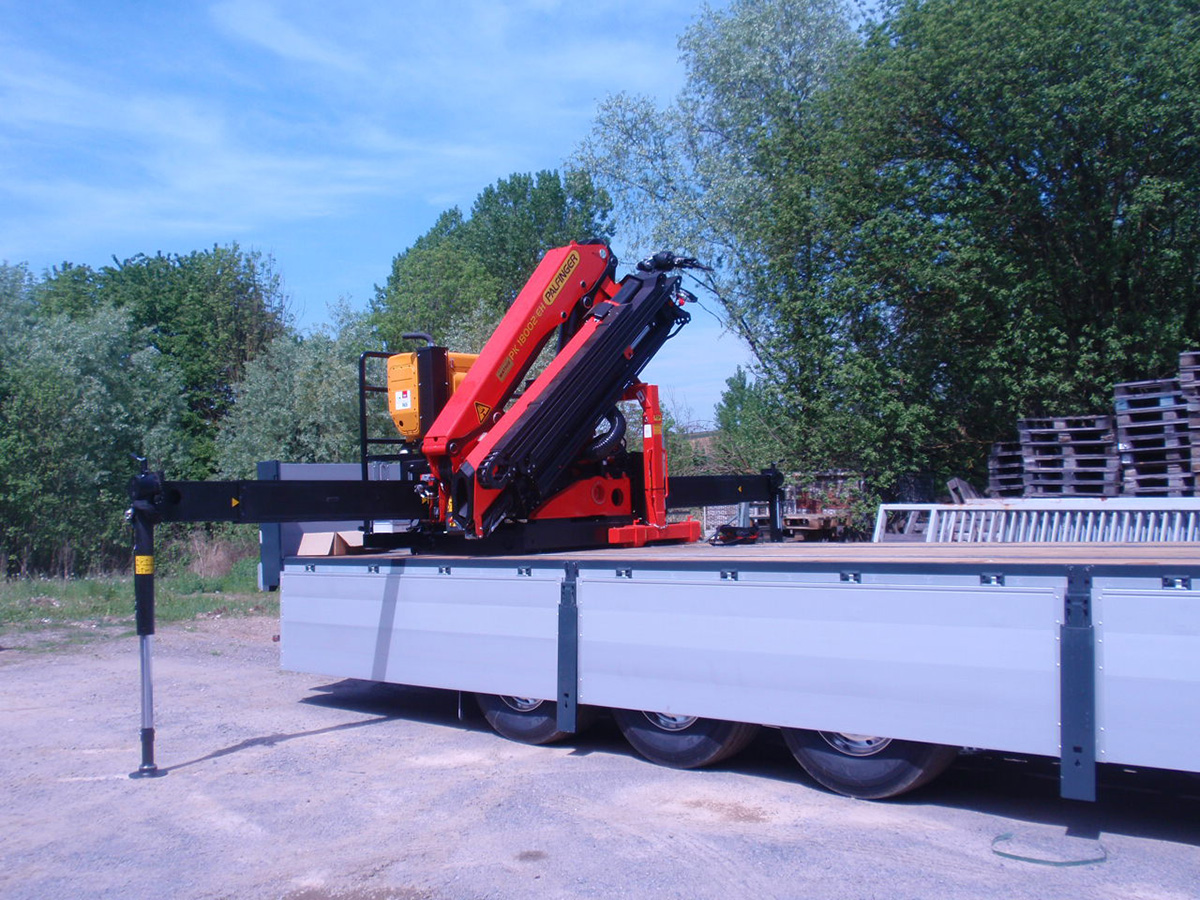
799	554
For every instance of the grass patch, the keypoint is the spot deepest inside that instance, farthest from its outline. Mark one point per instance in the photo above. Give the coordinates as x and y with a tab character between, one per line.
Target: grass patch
69	610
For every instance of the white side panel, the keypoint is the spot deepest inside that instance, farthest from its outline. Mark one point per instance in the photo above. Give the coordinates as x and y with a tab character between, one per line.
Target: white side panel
1148	675
967	666
473	632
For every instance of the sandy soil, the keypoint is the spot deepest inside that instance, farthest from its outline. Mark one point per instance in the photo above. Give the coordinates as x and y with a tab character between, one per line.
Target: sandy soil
282	785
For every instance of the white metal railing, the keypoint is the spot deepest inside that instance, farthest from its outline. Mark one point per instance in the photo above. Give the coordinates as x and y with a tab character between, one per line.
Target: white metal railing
1074	520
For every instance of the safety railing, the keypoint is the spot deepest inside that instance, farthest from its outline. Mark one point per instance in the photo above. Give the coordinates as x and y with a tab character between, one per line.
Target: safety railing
1073	520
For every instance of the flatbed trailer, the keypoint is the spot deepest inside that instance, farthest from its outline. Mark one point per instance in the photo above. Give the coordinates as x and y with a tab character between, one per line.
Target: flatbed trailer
879	661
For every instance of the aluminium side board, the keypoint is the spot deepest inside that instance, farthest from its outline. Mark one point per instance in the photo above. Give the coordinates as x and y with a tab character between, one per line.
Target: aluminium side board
1089	654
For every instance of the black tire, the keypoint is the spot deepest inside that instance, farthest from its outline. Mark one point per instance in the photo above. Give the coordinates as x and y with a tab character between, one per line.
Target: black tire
683	742
522	719
868	768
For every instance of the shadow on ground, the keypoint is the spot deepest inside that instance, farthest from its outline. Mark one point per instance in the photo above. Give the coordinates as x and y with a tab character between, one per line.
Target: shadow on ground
1145	803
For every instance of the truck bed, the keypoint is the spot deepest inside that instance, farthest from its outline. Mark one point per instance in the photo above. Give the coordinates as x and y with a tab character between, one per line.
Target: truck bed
1089	653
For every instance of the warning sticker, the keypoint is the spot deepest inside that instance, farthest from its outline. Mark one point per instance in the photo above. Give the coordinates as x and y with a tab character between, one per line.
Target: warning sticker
483	411
143	565
403	399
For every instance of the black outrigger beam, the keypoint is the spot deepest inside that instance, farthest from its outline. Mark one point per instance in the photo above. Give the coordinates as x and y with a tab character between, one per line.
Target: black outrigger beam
153	499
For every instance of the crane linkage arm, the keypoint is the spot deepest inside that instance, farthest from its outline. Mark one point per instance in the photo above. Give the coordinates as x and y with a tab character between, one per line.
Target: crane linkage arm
525	457
567	279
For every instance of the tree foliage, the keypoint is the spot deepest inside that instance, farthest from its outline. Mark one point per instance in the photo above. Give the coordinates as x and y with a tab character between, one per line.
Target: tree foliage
987	210
80	396
691	176
209	312
753	432
464	271
298	401
1009	218
99	365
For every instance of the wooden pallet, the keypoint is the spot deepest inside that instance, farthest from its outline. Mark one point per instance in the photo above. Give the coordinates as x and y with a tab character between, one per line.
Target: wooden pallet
1154	427
1106	488
1069	456
1153	456
1058	425
1189	366
1166	434
1106	465
1189	386
1006	470
1145	394
1159	485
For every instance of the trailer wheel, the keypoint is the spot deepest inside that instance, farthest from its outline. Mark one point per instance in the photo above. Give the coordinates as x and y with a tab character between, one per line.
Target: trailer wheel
523	719
683	742
867	767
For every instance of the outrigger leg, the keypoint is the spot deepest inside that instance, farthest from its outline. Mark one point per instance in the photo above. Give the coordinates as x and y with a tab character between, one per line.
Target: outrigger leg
142	515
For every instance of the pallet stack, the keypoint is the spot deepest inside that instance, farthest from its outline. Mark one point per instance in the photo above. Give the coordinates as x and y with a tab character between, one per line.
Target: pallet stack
1189	386
1153	450
1069	457
1153	436
1006	471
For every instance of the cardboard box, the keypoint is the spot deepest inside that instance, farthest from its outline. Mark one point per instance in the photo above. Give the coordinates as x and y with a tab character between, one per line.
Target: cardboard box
330	543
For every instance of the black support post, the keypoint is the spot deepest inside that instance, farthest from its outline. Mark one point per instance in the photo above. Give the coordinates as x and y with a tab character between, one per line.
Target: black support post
270	536
142	517
568	651
775	504
1077	660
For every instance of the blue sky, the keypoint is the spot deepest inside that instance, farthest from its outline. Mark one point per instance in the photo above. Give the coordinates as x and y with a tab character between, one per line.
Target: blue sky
327	134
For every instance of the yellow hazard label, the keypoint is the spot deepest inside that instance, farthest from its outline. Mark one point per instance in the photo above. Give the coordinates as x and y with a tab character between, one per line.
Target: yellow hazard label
483	411
143	565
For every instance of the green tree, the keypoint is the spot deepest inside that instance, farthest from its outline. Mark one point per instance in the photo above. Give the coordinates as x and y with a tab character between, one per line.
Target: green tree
464	271
69	289
753	428
516	220
435	282
692	176
210	312
989	210
1006	220
79	397
298	400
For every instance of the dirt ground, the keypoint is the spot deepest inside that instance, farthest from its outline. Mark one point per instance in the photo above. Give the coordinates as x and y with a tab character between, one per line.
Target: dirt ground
282	785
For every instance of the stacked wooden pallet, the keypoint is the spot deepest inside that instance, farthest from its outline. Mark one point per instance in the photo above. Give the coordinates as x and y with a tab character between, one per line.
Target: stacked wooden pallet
1153	450
1189	386
1153	436
1069	457
1006	471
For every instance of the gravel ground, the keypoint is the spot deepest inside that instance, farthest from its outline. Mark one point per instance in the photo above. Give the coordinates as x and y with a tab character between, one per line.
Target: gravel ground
282	785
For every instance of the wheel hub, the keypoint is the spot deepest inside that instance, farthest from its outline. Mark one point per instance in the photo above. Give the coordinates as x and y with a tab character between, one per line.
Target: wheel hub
668	722
522	704
854	744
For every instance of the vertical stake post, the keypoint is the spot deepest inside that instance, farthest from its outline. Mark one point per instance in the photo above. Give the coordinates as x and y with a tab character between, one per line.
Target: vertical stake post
1077	660
142	516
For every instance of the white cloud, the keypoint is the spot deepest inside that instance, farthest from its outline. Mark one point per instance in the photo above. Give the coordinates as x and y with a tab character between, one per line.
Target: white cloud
262	23
328	133
191	134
